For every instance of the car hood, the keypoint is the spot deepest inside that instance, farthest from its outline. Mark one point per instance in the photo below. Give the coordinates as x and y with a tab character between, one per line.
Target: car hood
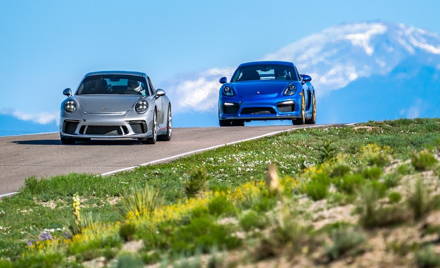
106	103
249	89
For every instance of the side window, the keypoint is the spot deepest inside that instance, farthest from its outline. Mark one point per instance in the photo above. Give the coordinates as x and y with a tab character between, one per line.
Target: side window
153	90
296	74
145	91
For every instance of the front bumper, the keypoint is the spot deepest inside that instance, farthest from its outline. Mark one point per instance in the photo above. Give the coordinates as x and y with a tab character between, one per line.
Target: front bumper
272	109
105	126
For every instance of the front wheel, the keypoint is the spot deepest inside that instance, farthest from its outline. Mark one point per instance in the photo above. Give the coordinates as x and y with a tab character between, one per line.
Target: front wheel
302	119
153	138
167	135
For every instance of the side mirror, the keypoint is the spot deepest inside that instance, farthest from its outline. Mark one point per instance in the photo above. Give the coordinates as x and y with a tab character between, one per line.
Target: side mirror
223	80
306	78
67	92
160	93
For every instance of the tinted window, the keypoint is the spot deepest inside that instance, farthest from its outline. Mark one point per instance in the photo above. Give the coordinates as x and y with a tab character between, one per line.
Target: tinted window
265	72
113	84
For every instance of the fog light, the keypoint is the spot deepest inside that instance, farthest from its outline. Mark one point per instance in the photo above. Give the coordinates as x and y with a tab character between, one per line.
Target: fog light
228	104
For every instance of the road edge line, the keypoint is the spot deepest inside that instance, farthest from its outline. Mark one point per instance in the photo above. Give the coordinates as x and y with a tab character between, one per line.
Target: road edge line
177	156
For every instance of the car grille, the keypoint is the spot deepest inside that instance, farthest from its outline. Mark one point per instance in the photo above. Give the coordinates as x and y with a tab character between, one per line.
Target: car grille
70	127
286	108
231	109
138	127
258	110
104	130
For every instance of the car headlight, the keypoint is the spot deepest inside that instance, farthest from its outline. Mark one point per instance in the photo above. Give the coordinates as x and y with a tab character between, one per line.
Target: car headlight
290	90
141	106
227	91
70	106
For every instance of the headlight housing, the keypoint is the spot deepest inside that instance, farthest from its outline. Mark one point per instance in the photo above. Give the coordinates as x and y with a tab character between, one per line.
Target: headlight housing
141	106
70	106
290	90
228	91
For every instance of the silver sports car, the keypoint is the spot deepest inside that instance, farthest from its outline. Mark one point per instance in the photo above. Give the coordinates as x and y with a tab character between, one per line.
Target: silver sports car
115	104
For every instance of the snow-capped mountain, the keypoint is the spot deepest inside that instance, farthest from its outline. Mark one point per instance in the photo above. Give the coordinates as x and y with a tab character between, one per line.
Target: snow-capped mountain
341	54
334	57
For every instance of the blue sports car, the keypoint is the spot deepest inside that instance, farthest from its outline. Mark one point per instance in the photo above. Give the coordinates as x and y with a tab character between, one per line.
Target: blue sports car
266	90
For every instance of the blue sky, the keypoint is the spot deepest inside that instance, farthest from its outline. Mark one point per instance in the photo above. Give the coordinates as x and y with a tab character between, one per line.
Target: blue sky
48	45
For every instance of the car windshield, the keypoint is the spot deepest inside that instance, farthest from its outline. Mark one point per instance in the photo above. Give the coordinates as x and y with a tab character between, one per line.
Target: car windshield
265	72
113	84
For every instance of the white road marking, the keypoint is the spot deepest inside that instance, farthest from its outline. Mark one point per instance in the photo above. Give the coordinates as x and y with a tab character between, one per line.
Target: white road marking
169	158
8	194
166	159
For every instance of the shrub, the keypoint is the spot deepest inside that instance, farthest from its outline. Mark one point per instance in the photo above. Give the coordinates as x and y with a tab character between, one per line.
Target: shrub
340	170
127	231
344	241
286	235
140	202
251	220
316	190
419	200
375	155
220	205
427	258
41	260
326	151
196	182
391	180
405	169
203	234
394	197
372	173
374	215
127	260
349	183
5	264
423	160
263	204
402	248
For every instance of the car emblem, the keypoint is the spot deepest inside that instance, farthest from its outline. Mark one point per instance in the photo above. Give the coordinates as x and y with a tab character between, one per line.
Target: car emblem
258	92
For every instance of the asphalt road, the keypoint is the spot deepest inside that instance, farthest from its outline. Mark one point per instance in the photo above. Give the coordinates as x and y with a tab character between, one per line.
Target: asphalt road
43	155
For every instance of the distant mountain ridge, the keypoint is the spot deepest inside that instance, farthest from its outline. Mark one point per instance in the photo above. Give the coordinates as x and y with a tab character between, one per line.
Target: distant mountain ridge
410	90
344	53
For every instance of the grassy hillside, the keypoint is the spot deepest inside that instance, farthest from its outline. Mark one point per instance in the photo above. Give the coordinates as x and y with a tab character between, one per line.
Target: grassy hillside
359	195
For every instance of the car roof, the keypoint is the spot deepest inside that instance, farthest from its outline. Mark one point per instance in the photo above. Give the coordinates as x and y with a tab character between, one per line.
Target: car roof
266	62
116	72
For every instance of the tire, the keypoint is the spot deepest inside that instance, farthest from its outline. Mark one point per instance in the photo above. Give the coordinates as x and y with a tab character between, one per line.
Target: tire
231	123
224	123
67	141
167	136
153	138
302	119
312	120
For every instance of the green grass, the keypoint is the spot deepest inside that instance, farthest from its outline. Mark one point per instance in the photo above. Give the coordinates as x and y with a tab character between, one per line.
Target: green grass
46	204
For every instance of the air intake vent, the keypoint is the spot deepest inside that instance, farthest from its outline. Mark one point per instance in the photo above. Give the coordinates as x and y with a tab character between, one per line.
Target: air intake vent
138	127
258	110
231	109
104	130
70	127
